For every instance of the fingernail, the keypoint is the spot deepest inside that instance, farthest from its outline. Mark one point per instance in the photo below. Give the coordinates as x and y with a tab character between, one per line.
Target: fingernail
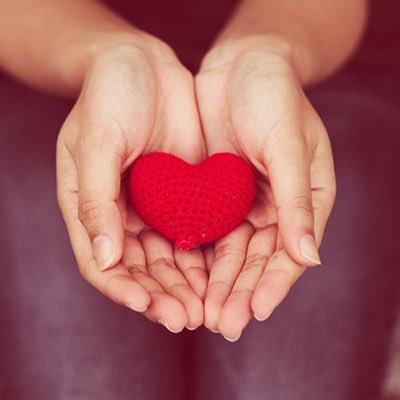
235	339
165	323
309	250
262	318
190	328
135	308
214	331
104	252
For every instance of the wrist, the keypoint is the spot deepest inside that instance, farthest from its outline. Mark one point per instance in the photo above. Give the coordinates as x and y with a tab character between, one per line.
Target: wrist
280	54
79	58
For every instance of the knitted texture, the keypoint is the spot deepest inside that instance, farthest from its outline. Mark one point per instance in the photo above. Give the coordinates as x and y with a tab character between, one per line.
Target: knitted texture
191	204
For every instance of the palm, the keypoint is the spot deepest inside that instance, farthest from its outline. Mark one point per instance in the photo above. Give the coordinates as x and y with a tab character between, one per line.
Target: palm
175	281
240	262
251	269
155	111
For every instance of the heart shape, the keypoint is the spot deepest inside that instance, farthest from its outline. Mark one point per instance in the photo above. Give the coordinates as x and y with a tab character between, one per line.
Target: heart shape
191	204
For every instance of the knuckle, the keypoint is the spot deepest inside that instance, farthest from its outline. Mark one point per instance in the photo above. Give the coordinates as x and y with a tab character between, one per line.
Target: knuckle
301	203
89	213
163	262
254	261
111	289
177	287
194	270
280	280
67	201
325	203
277	254
137	269
228	250
219	284
242	292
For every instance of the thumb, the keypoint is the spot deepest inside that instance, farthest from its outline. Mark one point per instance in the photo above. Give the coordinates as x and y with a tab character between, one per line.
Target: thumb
289	174
99	169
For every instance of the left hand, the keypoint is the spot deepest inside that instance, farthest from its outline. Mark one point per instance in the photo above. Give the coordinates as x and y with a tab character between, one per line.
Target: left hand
252	104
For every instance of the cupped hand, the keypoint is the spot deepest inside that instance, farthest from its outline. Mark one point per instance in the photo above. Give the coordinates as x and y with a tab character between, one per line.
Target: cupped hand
136	98
251	103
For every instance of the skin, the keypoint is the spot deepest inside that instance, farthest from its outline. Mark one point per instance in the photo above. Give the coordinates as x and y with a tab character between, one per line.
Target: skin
134	96
93	144
258	64
296	189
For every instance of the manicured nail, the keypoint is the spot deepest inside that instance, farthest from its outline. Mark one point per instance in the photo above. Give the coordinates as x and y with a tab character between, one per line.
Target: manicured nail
235	339
309	250
104	252
262	318
165	323
135	308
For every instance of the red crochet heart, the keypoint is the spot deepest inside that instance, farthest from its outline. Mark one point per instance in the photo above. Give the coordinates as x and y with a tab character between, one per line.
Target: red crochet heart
191	204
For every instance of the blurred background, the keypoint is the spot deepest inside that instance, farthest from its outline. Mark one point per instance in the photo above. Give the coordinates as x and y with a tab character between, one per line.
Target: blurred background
336	336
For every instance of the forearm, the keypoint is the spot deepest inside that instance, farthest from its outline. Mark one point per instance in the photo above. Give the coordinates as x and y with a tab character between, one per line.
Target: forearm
49	43
317	35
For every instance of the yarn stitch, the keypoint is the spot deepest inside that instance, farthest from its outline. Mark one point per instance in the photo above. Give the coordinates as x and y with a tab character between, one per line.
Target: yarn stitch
191	204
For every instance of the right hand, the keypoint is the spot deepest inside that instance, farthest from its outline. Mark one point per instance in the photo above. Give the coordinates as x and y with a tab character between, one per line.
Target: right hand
136	98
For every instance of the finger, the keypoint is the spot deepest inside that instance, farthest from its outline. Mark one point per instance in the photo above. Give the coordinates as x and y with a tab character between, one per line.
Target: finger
163	308
289	174
323	183
161	266
98	160
279	276
193	267
230	254
237	311
115	284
